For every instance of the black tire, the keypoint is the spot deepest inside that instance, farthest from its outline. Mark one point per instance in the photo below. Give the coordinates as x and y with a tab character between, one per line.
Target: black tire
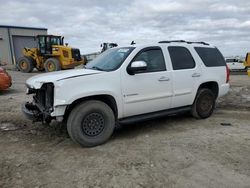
91	123
52	64
25	64
204	104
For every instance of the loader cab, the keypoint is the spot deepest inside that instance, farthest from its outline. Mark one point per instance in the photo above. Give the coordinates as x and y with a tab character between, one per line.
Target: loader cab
45	43
106	46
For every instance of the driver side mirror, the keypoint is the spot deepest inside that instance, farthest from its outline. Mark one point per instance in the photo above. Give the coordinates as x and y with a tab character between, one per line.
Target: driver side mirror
137	67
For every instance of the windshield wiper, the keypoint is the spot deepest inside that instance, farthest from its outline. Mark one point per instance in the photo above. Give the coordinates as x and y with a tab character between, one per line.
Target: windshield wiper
97	68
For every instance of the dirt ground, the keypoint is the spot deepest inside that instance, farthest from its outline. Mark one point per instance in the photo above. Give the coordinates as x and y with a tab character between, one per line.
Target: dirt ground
176	151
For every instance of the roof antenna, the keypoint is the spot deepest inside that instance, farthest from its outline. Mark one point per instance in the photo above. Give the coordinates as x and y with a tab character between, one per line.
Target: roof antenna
132	43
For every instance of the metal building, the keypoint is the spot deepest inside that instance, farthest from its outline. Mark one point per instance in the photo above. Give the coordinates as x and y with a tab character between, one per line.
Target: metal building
14	38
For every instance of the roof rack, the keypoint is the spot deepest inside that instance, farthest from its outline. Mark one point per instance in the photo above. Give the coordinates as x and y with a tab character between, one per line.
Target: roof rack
169	41
188	42
204	43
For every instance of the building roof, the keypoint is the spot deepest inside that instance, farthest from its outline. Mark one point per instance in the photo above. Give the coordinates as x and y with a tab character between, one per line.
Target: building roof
22	27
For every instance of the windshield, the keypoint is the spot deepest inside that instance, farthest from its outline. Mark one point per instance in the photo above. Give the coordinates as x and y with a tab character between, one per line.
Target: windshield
110	60
55	41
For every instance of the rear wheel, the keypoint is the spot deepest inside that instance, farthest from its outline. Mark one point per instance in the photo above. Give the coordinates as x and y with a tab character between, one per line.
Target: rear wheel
52	64
91	123
25	64
204	104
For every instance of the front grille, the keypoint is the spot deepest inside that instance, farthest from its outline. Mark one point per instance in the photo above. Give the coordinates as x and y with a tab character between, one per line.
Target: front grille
44	98
76	54
65	53
40	97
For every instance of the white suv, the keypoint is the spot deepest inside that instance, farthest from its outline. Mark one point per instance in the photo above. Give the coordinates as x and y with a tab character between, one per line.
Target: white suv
128	84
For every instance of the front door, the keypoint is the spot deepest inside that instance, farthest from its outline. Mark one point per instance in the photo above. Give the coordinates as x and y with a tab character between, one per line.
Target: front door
150	90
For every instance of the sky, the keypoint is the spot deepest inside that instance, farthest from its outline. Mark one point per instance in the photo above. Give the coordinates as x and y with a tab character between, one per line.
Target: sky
88	23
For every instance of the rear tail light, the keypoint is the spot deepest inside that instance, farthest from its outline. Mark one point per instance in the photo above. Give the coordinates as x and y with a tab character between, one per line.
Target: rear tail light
228	73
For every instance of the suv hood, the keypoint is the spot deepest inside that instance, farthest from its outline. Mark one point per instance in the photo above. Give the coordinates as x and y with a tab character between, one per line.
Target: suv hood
37	81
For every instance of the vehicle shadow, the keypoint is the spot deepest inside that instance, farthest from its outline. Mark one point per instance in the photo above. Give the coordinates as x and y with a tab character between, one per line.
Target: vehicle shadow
9	91
158	124
6	92
122	131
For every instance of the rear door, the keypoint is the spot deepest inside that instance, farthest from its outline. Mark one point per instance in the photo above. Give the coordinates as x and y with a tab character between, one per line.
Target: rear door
186	75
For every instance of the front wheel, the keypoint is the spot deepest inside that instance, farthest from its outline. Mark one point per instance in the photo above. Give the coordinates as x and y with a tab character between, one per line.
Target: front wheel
52	64
204	104
91	123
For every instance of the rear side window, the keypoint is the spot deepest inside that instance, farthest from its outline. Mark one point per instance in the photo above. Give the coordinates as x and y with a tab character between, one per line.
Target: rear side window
181	58
211	57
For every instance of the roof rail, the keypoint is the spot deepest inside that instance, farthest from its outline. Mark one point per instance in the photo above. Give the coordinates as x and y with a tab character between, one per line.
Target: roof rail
169	41
204	43
188	42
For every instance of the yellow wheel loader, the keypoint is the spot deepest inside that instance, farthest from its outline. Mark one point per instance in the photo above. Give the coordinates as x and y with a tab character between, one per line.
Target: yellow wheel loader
50	55
247	63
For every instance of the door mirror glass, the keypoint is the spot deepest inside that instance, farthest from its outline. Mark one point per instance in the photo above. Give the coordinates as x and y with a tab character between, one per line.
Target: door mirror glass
136	67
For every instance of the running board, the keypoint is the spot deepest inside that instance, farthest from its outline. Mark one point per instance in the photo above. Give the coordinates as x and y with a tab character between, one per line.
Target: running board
153	115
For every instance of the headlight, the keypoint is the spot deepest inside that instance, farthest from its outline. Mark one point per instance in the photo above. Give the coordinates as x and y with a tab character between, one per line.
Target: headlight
55	49
30	91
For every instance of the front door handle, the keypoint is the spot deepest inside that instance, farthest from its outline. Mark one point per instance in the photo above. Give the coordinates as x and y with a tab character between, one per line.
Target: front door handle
196	75
163	78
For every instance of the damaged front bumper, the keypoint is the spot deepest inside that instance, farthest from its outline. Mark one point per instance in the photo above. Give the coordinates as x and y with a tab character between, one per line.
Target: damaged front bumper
31	111
42	105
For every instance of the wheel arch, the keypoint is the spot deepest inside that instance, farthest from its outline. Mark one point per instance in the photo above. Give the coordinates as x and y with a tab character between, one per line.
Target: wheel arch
107	99
212	85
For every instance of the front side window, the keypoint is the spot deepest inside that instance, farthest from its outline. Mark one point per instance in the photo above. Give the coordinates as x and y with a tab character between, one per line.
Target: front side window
42	41
181	58
42	44
111	59
154	59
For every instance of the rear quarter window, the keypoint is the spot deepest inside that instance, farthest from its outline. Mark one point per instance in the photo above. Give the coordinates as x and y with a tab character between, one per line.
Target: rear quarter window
211	57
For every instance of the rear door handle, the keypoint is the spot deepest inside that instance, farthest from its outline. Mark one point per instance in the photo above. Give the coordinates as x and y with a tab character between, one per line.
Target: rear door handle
196	75
163	78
